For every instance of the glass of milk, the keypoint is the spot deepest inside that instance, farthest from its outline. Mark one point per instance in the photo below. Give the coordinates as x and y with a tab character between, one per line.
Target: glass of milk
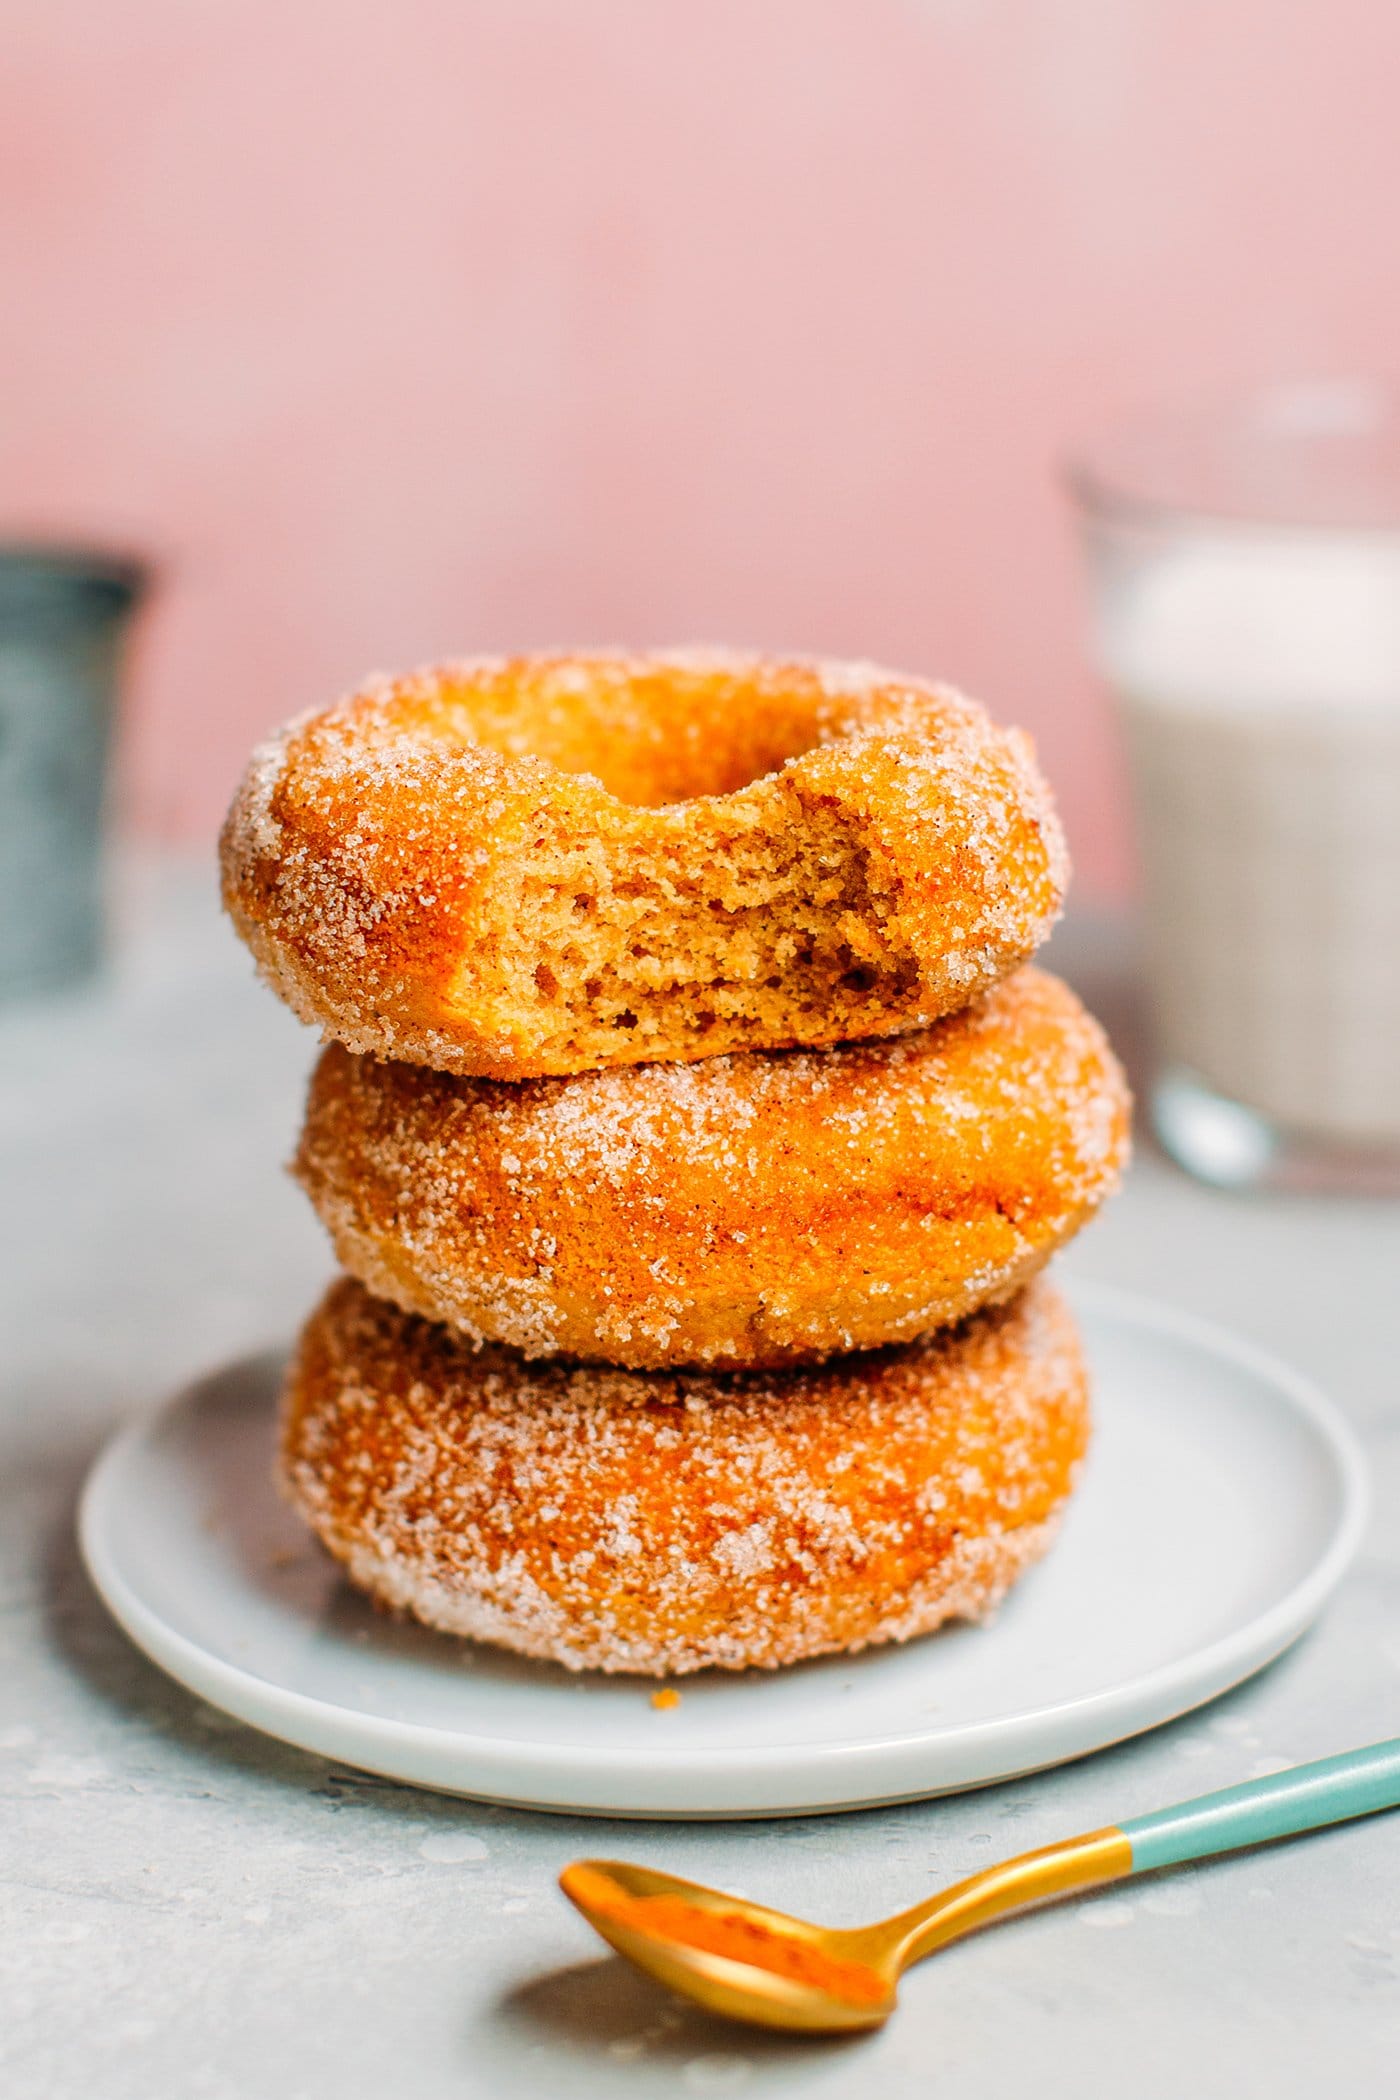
1245	569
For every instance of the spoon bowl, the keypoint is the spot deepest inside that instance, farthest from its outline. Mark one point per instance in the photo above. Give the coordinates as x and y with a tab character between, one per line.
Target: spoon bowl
778	1971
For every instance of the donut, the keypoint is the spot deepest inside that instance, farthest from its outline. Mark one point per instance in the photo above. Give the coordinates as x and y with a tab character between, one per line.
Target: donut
755	1209
510	868
667	1522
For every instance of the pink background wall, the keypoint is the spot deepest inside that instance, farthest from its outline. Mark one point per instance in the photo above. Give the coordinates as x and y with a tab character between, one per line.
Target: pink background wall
434	325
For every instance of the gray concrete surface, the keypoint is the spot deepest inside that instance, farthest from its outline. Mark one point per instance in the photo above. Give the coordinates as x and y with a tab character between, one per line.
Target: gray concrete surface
190	1909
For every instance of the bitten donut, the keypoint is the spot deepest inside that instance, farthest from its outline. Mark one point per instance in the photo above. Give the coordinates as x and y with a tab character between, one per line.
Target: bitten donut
755	1209
553	864
624	1520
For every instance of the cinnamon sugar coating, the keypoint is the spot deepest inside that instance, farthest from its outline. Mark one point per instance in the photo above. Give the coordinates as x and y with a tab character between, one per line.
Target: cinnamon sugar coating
756	1209
664	1523
555	864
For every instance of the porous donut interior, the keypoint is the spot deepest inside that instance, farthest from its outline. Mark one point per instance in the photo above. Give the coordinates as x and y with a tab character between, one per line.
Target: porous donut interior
727	902
729	917
712	891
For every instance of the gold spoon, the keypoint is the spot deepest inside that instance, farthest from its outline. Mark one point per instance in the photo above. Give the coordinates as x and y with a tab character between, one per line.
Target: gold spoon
752	1963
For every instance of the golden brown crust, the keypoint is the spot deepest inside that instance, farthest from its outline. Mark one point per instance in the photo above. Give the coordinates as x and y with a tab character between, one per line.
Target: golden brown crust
635	1521
549	865
747	1210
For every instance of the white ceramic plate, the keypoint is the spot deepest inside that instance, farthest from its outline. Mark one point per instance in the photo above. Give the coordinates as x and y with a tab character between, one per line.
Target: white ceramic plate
1222	1503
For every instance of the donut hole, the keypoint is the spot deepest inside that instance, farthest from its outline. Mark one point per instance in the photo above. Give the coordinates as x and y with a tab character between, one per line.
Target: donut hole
652	734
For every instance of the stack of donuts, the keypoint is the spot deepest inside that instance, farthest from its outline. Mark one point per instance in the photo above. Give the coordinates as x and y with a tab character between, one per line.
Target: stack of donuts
692	1132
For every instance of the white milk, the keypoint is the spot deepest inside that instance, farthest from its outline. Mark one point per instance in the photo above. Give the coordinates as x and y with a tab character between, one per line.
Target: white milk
1259	679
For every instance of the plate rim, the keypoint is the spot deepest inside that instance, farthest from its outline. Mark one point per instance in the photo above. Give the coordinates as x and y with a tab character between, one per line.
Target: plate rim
1174	1688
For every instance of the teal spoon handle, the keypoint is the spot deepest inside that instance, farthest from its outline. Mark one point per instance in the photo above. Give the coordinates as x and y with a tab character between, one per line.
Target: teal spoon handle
1305	1798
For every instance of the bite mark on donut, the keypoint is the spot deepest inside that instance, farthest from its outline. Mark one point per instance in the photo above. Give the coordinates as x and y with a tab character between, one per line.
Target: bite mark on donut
764	929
